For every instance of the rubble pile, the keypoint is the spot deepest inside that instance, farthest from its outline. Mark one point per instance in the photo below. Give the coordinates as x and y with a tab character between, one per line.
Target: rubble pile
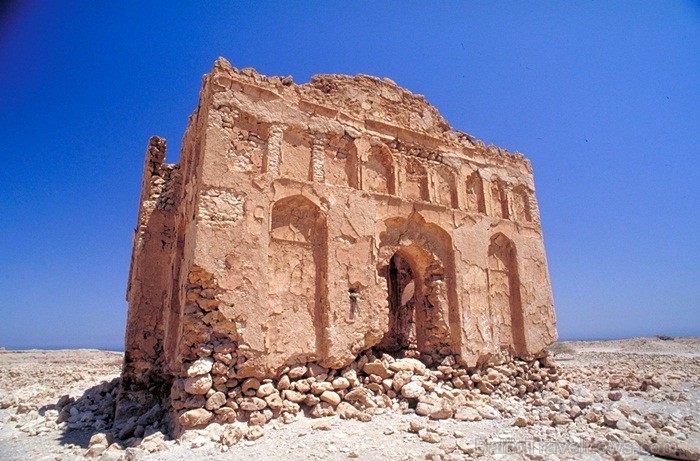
211	392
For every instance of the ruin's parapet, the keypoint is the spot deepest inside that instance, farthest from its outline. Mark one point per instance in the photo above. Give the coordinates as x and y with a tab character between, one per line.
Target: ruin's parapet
380	105
309	223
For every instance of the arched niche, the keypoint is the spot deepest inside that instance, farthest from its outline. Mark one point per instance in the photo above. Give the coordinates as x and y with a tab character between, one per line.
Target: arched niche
417	261
499	199
298	255
445	190
521	204
504	294
416	181
378	171
474	197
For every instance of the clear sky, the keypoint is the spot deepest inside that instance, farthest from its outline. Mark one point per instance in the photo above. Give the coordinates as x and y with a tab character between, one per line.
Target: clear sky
603	97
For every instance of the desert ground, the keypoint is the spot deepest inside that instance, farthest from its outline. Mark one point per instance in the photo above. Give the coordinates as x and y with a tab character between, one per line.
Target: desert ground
623	400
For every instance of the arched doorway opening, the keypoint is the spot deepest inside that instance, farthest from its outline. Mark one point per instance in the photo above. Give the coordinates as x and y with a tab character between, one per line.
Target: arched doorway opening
401	284
417	298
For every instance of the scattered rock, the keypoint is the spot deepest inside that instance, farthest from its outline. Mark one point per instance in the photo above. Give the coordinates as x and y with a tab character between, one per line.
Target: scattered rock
429	436
611	417
257	418
254	433
330	397
467	414
488	412
408	364
424	409
466	447
95	450
442	411
412	390
99	438
322	425
112	454
340	383
231	435
133	454
154	443
415	425
559	419
195	418
356	395
377	368
265	389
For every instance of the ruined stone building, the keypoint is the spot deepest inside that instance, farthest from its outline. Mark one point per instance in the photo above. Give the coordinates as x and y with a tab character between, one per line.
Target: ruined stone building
308	223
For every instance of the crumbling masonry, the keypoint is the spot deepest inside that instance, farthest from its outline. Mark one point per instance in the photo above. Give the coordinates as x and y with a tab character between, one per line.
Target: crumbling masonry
305	226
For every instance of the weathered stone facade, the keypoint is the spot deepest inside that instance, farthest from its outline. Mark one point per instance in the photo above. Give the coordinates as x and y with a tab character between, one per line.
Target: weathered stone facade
305	224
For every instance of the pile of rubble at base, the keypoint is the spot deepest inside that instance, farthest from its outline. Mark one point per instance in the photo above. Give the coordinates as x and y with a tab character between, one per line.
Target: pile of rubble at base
373	381
620	405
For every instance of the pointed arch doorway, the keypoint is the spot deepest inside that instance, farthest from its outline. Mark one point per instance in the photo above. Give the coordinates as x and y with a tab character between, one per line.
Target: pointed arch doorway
415	288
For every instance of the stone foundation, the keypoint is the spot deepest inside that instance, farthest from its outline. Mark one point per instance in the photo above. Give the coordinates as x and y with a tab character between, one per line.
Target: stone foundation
205	393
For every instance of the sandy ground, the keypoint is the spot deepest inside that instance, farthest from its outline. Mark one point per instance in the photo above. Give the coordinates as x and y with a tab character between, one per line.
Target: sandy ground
657	382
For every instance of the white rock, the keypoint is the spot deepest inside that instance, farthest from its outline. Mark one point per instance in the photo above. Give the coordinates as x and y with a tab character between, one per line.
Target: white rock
198	385
467	414
201	366
488	412
331	397
412	390
265	389
377	368
428	436
231	435
194	418
95	450
99	438
408	364
611	417
254	433
297	372
340	383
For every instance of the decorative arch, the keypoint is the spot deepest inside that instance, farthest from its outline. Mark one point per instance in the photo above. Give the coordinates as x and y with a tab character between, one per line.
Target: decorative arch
504	294
298	267
417	260
378	171
521	204
475	193
416	185
445	190
499	199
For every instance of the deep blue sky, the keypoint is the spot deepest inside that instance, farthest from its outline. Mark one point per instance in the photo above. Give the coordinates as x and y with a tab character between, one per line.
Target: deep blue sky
603	97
